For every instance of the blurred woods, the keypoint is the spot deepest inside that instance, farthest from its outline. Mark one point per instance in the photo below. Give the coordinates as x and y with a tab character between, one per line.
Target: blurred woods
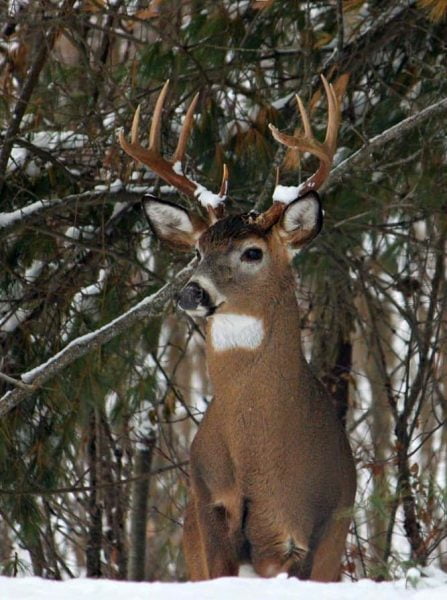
94	445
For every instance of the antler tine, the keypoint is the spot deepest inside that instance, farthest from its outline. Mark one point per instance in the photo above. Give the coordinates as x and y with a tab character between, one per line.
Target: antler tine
154	133
135	126
224	185
185	131
304	117
333	115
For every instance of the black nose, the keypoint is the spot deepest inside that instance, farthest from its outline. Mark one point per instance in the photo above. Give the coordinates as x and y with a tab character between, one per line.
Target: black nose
192	296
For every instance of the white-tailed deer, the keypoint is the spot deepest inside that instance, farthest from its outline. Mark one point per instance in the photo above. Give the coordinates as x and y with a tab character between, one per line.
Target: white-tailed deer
271	470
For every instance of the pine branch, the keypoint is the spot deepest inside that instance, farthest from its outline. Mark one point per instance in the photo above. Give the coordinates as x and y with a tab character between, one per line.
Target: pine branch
148	307
43	45
34	211
380	140
351	59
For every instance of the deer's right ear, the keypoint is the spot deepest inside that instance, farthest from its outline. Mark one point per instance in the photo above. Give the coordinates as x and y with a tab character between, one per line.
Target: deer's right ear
173	224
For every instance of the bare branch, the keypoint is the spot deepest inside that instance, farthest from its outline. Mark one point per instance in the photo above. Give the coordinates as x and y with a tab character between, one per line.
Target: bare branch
34	211
148	307
16	382
379	141
43	45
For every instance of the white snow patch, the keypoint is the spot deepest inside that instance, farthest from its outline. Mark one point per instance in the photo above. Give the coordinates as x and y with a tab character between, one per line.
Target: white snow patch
7	219
114	186
50	140
33	272
207	198
281	102
92	289
31	169
78	233
177	167
12	321
433	587
229	331
17	158
286	193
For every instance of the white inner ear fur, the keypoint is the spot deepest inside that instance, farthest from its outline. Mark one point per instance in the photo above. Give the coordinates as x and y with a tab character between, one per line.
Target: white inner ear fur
230	331
167	217
301	215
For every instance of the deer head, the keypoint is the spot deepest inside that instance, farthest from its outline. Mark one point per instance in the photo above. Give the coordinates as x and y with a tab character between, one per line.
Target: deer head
238	252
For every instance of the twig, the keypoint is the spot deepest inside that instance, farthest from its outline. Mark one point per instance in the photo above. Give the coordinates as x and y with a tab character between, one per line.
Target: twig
74	489
43	45
378	141
149	307
16	382
35	210
340	28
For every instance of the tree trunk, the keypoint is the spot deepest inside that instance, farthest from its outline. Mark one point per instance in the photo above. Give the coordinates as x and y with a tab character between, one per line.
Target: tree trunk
94	542
138	512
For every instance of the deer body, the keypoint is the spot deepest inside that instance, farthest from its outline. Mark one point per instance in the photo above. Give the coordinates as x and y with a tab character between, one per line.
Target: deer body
271	472
270	460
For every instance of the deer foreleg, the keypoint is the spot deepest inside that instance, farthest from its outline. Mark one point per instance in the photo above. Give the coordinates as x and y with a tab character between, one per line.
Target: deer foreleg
192	545
218	544
210	550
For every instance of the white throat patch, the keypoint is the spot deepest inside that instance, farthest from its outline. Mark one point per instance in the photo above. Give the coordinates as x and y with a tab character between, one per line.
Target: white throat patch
230	331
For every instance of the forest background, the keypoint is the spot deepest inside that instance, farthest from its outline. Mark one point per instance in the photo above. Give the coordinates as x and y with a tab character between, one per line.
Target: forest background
101	383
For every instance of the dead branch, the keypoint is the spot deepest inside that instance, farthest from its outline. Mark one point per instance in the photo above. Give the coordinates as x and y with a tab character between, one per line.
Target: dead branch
148	307
346	167
36	210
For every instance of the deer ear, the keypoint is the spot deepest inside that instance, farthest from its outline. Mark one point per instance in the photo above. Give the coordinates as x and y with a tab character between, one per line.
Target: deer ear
301	221
173	224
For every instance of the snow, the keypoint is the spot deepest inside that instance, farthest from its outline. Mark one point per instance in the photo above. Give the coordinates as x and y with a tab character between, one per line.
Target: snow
51	140
17	158
114	186
433	587
7	219
177	167
281	102
286	193
207	198
10	322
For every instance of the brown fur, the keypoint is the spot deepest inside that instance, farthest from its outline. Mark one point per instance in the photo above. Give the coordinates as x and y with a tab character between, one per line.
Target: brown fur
272	475
271	471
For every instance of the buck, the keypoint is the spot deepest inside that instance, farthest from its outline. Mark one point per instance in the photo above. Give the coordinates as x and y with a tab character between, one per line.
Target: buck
272	479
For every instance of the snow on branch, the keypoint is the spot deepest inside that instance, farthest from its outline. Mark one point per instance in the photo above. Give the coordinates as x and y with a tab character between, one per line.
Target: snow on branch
148	307
26	214
380	140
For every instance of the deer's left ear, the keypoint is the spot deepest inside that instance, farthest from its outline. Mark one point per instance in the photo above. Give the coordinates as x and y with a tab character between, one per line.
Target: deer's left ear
301	221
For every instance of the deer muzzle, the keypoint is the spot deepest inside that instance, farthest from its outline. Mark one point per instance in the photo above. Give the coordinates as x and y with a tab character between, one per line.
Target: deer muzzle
193	298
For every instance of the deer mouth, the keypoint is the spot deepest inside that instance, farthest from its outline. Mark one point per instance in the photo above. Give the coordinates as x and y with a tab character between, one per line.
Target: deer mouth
196	301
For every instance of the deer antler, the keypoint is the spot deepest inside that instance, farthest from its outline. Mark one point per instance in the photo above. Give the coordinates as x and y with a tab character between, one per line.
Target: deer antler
171	171
306	142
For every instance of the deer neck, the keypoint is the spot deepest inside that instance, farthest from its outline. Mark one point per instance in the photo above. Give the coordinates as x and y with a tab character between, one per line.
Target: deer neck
257	347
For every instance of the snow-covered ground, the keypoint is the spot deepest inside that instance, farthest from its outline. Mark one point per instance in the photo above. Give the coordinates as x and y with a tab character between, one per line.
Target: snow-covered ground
430	587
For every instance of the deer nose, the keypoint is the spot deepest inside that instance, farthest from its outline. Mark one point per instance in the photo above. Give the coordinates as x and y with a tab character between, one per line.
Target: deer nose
192	296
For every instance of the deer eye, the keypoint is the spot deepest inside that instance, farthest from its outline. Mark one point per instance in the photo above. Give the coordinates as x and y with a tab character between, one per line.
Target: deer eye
198	255
252	255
